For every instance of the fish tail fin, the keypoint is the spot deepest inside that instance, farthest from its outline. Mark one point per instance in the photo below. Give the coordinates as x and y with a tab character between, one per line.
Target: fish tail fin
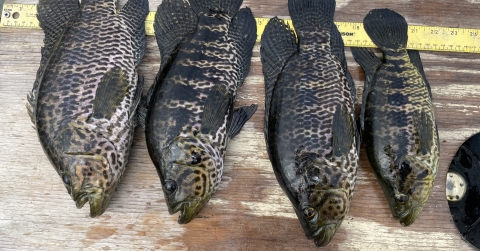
387	29
244	32
133	14
311	14
230	7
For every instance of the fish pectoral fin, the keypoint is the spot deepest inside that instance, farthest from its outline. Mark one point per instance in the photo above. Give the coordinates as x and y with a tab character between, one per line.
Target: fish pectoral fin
217	105
243	33
240	116
417	62
278	45
133	14
424	125
370	65
111	90
342	133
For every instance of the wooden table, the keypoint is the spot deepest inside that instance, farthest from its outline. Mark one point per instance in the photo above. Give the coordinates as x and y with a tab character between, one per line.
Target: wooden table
249	211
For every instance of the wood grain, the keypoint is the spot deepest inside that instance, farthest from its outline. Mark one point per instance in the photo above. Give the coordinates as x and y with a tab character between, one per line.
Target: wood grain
249	211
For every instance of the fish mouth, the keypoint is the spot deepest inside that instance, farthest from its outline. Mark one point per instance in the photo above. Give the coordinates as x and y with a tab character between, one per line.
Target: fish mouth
407	218
188	211
324	234
95	198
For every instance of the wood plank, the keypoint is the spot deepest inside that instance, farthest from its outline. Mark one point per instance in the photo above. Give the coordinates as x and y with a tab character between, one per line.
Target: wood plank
249	211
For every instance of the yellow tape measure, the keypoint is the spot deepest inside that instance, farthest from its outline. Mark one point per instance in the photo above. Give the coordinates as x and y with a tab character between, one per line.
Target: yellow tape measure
353	34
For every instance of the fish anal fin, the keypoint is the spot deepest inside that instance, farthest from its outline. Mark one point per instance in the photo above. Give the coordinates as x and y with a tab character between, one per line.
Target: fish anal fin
112	89
217	105
342	132
240	116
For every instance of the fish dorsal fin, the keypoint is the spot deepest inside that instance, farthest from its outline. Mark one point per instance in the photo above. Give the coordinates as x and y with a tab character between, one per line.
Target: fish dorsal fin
136	98
417	62
174	21
240	116
424	126
54	17
342	132
229	7
370	65
111	90
278	46
337	49
133	15
217	105
243	32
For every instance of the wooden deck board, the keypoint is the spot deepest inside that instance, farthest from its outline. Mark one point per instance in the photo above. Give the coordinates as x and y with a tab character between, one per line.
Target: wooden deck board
249	210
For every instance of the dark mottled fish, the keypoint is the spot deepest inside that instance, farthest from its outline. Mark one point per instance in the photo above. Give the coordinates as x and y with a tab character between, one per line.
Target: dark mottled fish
206	48
87	89
397	120
309	121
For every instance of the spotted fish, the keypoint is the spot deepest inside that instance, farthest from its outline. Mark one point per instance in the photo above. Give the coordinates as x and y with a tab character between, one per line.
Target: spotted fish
309	122
84	99
206	48
397	120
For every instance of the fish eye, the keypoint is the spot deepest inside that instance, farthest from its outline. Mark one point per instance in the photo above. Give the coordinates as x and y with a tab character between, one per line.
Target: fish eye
196	158
401	199
66	180
309	212
170	186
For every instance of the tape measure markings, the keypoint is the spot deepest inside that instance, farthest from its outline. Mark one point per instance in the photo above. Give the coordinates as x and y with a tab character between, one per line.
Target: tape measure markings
419	37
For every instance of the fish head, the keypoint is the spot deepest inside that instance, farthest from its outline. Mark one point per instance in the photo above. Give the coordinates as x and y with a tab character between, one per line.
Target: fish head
189	177
324	213
324	204
89	169
411	190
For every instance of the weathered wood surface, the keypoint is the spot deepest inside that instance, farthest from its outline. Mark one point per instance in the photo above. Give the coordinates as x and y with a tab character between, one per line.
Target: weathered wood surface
249	211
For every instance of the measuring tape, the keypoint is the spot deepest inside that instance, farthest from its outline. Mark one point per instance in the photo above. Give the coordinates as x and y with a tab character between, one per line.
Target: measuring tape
419	37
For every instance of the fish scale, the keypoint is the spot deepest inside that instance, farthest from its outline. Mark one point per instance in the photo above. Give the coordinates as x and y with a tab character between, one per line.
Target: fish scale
86	133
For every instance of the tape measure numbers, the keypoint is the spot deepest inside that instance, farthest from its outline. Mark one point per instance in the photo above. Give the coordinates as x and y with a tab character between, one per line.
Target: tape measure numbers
419	37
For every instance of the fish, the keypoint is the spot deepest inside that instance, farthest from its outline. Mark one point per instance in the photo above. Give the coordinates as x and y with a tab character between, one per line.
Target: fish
310	130
205	49
397	118
84	100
